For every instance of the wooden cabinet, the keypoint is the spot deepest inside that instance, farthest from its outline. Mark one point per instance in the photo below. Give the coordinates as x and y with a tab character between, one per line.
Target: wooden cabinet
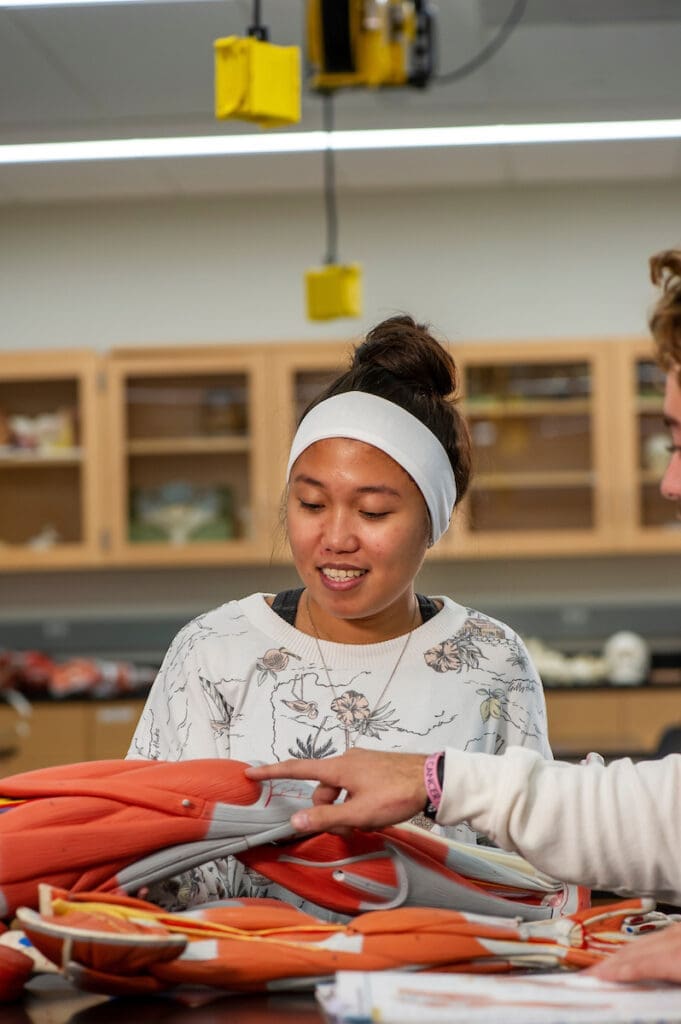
177	455
647	522
611	720
542	482
614	721
559	430
50	460
55	733
301	372
189	463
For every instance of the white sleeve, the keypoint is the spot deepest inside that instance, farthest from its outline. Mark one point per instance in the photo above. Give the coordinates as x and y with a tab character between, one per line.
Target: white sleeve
616	827
175	724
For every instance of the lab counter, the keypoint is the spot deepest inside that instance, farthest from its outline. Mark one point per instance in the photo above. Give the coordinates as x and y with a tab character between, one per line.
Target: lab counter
51	1000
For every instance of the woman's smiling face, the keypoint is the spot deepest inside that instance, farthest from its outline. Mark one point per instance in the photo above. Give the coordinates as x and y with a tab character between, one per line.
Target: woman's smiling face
358	529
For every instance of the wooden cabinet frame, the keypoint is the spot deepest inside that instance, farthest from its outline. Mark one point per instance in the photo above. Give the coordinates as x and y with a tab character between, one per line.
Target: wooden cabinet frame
632	534
85	368
249	361
287	362
461	541
271	370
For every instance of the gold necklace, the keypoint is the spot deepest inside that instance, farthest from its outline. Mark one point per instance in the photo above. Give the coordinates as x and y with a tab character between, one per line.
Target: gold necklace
326	667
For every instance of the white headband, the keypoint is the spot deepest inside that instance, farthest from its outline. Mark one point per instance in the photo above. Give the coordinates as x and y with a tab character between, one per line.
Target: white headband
387	426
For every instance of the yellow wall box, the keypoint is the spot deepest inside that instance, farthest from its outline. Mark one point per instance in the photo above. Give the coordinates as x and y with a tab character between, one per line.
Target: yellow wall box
334	291
257	81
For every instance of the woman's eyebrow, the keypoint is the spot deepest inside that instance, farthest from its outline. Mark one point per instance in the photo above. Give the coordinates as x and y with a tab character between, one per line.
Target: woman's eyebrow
301	478
378	489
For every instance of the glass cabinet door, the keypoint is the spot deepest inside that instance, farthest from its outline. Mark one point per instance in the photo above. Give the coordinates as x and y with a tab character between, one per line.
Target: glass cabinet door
537	481
47	455
300	372
652	521
646	520
307	385
190	463
652	443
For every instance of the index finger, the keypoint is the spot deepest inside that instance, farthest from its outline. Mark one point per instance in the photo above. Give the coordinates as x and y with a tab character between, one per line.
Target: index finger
296	768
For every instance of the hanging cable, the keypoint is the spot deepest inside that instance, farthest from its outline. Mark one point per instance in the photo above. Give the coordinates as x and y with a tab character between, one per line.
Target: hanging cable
330	206
488	51
257	29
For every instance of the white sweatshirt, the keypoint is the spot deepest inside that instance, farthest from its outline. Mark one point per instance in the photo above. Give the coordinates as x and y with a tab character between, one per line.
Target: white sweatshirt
616	827
241	682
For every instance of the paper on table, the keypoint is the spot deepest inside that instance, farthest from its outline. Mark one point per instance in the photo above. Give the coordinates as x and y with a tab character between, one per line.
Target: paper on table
398	997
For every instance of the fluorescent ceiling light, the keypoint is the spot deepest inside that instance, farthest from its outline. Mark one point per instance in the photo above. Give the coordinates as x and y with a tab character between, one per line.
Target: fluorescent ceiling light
340	141
79	3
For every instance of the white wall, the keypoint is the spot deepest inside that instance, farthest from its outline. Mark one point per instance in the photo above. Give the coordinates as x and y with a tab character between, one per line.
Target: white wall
486	263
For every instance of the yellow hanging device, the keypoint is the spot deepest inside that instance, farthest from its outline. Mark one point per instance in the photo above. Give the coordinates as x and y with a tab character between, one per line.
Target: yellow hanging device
257	81
369	43
334	291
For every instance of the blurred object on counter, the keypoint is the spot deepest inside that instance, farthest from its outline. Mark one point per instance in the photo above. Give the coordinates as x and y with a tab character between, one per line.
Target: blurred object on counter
99	678
557	669
28	671
37	675
627	657
624	661
180	513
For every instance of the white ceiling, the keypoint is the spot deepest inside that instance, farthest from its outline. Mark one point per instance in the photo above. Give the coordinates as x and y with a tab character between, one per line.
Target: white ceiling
146	69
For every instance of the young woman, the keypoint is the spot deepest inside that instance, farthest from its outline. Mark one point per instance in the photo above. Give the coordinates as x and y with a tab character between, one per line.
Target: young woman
355	657
616	827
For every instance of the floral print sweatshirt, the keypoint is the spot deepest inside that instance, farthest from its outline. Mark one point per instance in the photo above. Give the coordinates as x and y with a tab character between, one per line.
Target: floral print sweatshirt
240	682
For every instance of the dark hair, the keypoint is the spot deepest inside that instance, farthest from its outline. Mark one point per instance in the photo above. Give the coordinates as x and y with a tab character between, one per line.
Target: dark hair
665	317
401	361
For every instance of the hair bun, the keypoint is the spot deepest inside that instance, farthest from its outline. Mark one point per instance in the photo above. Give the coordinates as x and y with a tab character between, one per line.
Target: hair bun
409	352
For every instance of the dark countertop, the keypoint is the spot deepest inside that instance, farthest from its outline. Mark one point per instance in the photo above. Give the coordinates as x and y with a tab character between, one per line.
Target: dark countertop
51	1000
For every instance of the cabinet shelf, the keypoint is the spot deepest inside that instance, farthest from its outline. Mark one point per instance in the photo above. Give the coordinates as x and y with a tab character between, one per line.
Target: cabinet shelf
26	458
650	477
649	405
187	445
529	481
493	409
561	429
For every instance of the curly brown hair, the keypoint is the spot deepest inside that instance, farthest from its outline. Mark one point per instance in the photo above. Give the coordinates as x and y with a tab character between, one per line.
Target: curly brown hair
665	317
